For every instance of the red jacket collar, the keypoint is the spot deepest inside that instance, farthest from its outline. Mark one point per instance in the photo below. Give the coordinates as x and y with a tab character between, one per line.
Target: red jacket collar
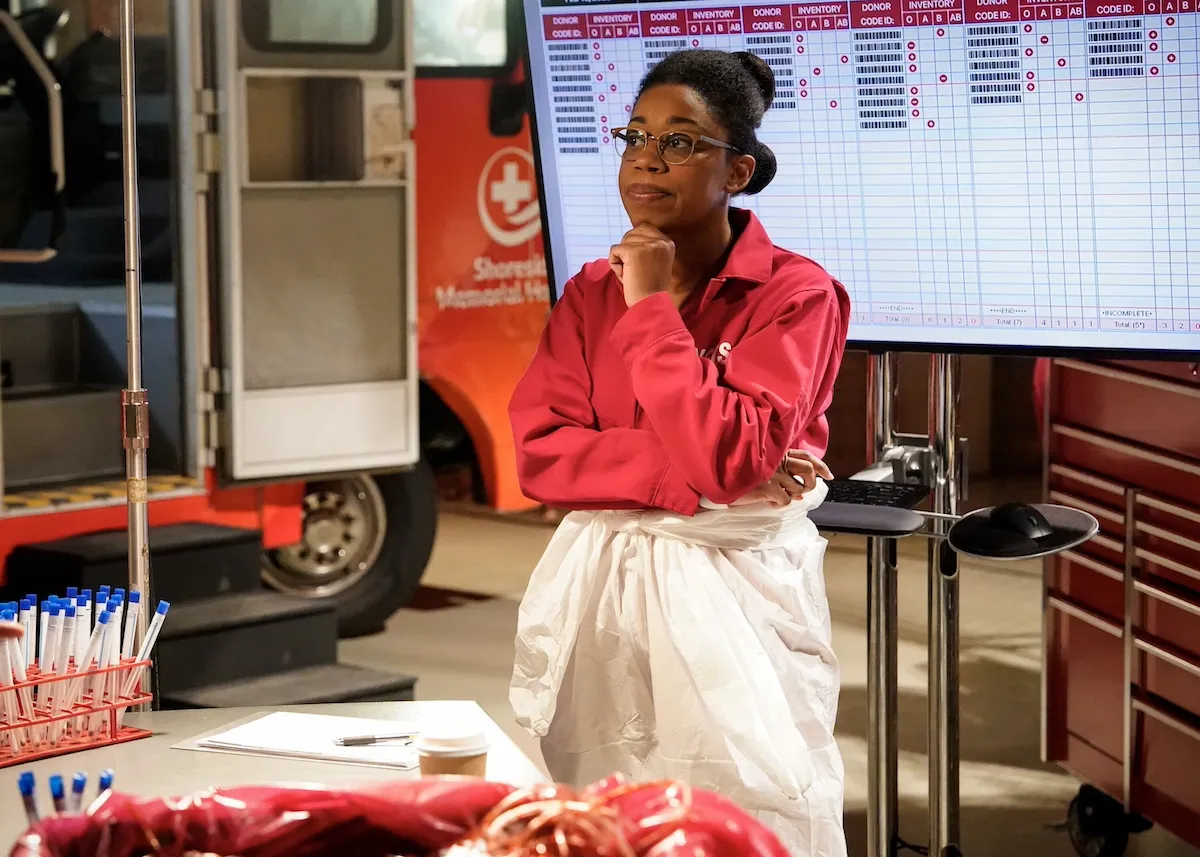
752	256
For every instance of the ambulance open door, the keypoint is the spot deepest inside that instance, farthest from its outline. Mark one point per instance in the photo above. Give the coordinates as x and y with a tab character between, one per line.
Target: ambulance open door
313	222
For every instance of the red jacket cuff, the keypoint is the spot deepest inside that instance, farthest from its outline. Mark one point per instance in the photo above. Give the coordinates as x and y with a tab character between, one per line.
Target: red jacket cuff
644	323
675	495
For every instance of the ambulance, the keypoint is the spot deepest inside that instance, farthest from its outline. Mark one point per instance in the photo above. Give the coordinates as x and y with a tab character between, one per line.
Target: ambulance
342	275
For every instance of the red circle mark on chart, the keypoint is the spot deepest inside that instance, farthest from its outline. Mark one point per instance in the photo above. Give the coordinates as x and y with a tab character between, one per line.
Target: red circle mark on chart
603	118
595	46
804	93
1029	75
1170	57
941	32
1079	96
1154	46
833	104
916	113
915	102
800	49
1170	22
1045	40
604	129
845	59
613	87
1154	69
800	38
596	56
912	56
599	77
601	97
930	123
1029	52
912	46
1154	34
611	67
816	71
912	68
695	43
605	139
627	110
803	82
913	90
1029	86
1029	28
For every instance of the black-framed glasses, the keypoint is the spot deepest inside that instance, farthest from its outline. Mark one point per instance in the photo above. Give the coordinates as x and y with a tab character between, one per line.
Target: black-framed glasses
674	147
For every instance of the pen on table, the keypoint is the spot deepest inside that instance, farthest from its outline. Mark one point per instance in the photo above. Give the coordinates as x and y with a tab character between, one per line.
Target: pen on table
26	785
78	784
58	793
367	740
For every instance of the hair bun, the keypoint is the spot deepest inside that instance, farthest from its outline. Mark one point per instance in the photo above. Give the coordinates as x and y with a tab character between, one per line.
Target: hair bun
765	166
762	74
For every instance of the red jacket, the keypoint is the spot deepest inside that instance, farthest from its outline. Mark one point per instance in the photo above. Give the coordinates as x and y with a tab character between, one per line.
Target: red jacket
654	407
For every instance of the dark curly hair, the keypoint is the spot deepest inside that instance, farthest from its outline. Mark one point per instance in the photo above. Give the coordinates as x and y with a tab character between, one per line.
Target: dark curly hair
737	88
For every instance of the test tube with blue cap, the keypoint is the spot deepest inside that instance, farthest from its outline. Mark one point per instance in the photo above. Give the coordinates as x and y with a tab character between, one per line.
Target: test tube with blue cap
156	623
58	793
135	604
27	786
78	786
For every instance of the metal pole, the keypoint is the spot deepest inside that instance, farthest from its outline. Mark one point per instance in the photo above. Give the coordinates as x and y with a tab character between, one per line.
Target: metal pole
882	615
135	409
944	377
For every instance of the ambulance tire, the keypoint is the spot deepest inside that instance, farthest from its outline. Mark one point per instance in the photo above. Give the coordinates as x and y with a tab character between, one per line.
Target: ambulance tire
388	575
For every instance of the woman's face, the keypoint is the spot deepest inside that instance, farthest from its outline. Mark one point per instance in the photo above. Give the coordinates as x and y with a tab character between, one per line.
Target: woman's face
671	196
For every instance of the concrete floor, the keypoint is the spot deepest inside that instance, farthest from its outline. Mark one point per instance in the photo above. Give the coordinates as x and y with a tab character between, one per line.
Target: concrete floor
457	638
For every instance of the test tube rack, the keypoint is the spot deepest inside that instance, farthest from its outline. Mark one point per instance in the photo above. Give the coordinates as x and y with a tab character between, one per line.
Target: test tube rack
34	726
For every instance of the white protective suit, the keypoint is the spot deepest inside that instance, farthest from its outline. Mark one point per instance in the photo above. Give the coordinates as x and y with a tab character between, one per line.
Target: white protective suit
665	647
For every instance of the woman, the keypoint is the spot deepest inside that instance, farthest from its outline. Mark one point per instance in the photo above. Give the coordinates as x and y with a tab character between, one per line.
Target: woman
686	374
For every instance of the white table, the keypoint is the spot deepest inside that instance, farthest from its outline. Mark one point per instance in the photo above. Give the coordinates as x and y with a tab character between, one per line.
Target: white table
151	767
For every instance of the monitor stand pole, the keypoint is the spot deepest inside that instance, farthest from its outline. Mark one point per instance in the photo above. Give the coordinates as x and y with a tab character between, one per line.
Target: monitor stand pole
945	468
937	459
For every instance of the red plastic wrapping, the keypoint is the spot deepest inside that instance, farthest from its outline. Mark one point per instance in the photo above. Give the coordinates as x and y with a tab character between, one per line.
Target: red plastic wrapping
446	817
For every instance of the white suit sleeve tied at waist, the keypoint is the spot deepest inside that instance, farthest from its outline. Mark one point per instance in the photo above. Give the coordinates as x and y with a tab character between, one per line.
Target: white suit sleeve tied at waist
665	647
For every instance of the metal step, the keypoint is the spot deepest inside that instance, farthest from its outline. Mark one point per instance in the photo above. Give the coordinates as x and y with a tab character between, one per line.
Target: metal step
65	436
329	683
39	345
189	562
238	637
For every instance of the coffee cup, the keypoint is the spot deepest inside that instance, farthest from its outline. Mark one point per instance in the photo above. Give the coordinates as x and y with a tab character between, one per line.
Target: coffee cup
452	749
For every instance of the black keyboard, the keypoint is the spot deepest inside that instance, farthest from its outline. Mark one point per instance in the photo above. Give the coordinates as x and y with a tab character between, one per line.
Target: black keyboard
860	493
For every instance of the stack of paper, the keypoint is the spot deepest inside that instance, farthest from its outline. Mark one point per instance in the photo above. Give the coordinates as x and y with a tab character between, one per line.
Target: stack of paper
314	737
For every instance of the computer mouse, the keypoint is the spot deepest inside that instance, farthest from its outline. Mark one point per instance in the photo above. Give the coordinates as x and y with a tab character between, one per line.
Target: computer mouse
1020	518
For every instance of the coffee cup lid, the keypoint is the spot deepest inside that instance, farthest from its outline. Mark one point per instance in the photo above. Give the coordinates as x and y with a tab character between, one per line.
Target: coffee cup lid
448	738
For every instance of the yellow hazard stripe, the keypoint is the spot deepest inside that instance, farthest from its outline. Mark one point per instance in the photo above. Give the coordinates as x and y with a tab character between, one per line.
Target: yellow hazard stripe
80	494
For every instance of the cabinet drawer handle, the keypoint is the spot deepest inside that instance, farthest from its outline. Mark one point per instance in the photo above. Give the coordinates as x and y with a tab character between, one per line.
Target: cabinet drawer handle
1084	561
1145	706
1078	503
1087	479
1175	660
1169	508
1160	594
1166	562
1167	535
1085	615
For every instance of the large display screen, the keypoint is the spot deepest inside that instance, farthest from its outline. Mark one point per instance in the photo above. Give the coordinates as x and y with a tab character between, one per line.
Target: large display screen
979	173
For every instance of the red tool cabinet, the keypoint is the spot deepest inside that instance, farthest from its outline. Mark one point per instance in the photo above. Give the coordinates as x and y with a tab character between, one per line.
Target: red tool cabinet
1121	692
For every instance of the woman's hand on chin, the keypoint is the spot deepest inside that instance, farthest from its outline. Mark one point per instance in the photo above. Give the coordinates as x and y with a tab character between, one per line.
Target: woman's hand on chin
794	478
642	262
